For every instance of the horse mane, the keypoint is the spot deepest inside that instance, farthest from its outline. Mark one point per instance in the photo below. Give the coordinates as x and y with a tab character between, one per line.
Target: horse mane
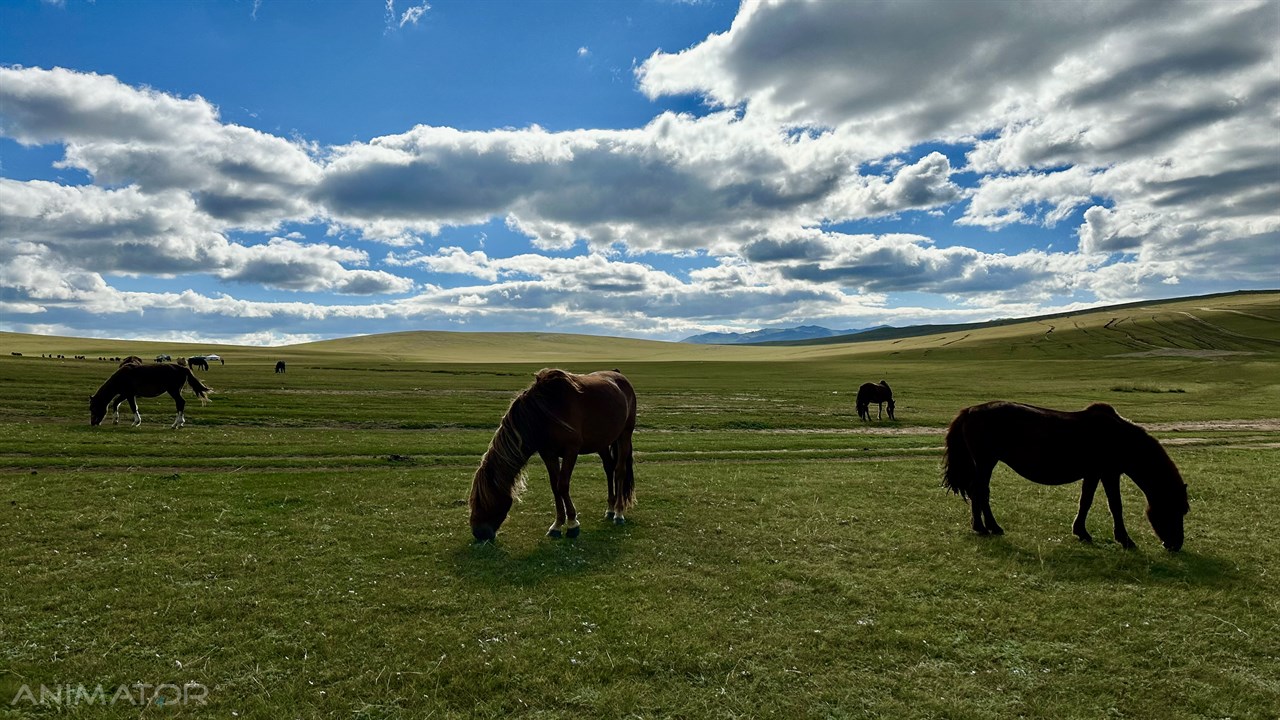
502	467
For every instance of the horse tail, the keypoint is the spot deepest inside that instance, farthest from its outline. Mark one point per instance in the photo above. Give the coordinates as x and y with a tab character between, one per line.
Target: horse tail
200	389
624	467
957	461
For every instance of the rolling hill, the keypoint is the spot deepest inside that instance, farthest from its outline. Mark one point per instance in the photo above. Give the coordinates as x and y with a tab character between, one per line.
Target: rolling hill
1198	327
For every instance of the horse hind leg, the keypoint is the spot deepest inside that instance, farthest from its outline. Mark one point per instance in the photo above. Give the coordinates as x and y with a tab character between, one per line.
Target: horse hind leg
984	522
137	416
626	489
609	457
180	404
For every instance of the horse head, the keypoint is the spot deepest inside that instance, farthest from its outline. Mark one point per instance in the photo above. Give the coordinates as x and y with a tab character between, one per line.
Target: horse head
891	405
1167	504
97	410
1166	518
490	501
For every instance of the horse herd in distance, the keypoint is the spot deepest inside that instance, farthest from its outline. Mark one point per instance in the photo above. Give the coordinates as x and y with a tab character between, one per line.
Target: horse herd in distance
200	361
563	415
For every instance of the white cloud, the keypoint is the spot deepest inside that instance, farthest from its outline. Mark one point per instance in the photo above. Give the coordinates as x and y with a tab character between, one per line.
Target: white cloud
1148	128
413	14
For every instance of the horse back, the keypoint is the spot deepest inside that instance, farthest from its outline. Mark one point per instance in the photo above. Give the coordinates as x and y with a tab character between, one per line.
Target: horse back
593	410
1046	446
147	379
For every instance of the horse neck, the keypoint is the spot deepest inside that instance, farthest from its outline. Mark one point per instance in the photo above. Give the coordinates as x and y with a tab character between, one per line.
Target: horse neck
507	454
107	391
1151	469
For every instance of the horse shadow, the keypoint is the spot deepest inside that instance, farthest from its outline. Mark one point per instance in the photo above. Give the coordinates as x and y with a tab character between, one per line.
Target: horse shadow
516	564
1107	562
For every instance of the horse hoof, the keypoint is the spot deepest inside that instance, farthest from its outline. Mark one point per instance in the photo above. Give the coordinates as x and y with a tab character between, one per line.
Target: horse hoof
997	530
608	516
554	534
619	520
572	532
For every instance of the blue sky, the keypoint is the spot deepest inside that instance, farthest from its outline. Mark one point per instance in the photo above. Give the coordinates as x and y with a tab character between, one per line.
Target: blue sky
273	172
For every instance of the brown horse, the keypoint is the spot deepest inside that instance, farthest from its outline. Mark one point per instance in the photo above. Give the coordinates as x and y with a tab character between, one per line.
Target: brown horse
132	381
131	360
559	417
878	393
1052	447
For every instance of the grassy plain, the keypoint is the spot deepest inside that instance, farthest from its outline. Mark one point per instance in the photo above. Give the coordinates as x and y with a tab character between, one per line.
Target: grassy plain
301	548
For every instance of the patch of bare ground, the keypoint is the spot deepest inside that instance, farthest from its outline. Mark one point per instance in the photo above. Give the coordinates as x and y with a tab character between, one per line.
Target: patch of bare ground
869	430
1183	352
1260	425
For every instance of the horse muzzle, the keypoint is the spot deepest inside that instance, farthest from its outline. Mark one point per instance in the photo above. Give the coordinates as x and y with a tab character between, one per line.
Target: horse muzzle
483	533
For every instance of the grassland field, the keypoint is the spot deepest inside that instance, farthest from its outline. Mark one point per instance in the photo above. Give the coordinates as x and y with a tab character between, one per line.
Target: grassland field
301	547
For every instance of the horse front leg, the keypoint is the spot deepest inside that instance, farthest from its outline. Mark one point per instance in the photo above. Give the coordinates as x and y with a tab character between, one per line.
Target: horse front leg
133	405
1087	489
572	527
553	471
115	409
1111	485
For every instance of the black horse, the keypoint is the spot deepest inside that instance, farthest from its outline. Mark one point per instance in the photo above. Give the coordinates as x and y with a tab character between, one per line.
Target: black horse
878	393
198	361
1052	447
133	381
279	366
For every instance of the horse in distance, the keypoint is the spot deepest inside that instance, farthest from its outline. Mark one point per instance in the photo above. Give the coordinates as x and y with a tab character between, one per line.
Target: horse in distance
878	393
559	417
280	366
131	360
198	361
134	380
1053	447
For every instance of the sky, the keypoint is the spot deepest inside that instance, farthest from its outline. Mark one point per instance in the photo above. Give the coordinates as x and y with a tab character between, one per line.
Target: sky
266	172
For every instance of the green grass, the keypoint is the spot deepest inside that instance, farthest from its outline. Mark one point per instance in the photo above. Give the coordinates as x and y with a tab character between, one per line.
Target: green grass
301	548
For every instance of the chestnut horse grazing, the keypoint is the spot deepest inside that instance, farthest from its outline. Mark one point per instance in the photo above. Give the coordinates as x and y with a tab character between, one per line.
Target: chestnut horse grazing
135	380
559	417
1052	447
878	393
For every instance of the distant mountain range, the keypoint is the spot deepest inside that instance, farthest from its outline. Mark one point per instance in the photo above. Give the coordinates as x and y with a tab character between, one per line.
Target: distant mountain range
803	332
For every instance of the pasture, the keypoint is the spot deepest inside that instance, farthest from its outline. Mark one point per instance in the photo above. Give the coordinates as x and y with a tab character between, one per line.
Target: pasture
301	547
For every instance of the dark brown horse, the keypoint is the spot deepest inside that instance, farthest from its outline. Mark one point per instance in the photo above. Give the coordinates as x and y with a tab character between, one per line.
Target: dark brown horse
133	381
1052	447
559	417
198	361
878	393
131	360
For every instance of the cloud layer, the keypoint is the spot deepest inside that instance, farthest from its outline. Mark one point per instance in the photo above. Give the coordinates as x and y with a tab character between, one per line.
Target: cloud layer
1144	132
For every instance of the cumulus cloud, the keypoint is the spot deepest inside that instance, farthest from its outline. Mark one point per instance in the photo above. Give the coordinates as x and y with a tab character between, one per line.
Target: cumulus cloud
1154	119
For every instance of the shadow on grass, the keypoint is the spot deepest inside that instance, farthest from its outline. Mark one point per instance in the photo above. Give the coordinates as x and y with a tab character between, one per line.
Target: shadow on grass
1105	561
499	563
